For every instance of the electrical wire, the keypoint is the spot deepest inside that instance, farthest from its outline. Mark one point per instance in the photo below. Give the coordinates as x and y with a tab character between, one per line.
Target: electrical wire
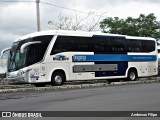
92	13
63	7
47	3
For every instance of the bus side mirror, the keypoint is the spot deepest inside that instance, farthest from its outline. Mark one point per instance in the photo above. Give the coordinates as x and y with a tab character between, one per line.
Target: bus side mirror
27	44
3	51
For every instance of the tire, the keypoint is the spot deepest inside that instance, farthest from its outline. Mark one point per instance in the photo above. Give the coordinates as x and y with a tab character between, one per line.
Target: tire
57	79
132	75
40	84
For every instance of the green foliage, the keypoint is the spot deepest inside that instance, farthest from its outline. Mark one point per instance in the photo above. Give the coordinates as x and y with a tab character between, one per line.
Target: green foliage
144	26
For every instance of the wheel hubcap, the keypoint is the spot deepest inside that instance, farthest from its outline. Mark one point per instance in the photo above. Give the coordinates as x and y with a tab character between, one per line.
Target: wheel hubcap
58	79
132	76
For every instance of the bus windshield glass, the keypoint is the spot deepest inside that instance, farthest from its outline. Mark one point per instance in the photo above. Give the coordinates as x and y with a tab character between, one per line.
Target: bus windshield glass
16	59
32	54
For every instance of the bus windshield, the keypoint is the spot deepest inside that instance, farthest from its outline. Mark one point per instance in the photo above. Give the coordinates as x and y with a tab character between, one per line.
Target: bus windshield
32	54
16	59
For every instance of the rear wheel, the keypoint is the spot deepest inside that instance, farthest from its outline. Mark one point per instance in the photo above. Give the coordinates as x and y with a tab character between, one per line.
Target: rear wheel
57	79
132	75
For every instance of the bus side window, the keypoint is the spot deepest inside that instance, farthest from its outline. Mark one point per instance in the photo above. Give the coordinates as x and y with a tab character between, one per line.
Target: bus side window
36	51
118	45
133	45
148	46
32	56
59	44
72	44
101	45
140	45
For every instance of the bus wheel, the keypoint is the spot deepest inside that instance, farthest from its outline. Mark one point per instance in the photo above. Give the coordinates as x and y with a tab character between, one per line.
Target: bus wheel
132	75
57	79
40	84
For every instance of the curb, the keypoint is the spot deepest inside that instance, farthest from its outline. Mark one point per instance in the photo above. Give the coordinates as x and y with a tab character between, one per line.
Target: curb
92	85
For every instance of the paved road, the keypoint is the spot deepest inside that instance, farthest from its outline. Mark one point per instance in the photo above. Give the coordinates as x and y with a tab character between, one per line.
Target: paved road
142	97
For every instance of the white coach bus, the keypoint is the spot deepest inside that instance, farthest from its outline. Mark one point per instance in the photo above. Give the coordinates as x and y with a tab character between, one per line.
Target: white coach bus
58	56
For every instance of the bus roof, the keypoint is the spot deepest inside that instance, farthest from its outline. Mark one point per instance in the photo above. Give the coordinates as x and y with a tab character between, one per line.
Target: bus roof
78	33
140	38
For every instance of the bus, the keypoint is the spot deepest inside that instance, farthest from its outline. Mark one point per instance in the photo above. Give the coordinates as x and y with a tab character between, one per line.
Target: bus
57	56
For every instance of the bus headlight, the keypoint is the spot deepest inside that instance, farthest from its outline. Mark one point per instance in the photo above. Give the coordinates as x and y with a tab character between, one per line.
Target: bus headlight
20	72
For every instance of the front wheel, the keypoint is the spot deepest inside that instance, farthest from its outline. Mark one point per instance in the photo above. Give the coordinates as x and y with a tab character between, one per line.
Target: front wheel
132	75
57	79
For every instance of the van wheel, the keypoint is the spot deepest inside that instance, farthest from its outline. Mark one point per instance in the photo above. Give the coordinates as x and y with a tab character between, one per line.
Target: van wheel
40	84
132	75
57	79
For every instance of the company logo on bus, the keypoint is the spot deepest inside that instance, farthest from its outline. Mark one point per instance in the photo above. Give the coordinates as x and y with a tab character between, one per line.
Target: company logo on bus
60	57
79	58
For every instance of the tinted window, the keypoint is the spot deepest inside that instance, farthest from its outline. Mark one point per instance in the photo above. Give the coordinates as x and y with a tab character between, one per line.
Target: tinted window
36	51
118	45
88	44
134	45
140	45
101	45
82	44
148	46
72	44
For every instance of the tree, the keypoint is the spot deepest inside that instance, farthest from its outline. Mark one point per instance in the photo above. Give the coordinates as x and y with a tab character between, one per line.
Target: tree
144	26
87	23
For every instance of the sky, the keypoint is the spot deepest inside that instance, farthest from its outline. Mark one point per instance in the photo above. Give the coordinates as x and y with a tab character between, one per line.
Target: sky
18	18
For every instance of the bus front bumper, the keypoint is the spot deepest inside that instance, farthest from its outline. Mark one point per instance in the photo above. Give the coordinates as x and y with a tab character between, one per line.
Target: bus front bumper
16	78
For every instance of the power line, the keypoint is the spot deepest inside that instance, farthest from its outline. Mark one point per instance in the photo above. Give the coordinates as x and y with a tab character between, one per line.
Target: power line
70	9
47	3
63	7
38	14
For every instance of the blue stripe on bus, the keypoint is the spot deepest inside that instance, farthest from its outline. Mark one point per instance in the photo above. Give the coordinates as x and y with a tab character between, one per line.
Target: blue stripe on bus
113	57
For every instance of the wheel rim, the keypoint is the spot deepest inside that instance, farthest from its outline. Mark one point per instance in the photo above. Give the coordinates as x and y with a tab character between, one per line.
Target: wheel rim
132	76
58	79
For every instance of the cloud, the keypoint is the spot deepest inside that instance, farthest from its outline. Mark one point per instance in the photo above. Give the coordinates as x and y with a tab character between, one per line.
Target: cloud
18	19
7	39
15	21
134	9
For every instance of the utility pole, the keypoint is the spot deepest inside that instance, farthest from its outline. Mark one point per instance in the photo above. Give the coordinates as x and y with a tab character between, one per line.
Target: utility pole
38	15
